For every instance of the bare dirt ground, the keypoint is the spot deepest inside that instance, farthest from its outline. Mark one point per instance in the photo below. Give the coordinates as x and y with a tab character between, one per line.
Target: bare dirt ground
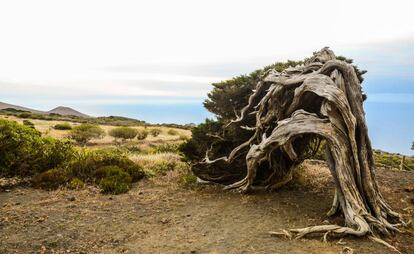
160	216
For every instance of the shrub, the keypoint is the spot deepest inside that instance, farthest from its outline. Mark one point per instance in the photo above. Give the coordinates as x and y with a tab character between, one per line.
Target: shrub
113	179
86	163
63	126
133	148
164	166
83	133
76	184
25	115
143	134
50	180
24	152
166	148
155	132
189	179
123	133
172	132
183	137
28	123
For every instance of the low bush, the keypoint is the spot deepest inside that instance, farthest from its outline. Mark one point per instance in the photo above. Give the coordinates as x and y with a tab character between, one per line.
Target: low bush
86	163
166	148
133	148
50	180
24	152
183	137
28	123
160	167
63	126
113	180
76	184
172	132
83	133
155	132
189	179
142	134
123	133
52	163
390	160
25	115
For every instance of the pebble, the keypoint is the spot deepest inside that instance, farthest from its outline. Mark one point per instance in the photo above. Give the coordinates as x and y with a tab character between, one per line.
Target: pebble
165	220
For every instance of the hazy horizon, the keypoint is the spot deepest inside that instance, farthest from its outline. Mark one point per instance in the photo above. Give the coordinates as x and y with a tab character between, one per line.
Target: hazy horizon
112	58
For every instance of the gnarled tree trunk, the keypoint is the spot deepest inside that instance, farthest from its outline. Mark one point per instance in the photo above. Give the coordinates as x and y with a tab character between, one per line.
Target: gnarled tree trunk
321	99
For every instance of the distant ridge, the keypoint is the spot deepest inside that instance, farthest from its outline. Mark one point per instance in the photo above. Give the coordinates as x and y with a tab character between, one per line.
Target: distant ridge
64	111
6	105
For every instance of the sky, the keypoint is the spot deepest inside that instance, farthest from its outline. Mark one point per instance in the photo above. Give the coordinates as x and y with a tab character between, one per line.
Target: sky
155	60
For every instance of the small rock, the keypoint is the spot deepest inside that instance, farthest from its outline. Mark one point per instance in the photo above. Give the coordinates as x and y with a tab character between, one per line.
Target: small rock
72	198
7	190
165	220
140	193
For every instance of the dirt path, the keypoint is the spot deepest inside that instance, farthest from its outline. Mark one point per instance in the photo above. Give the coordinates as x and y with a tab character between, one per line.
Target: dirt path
157	216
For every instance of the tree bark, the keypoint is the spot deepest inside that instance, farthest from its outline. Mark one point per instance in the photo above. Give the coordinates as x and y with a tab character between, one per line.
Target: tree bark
321	99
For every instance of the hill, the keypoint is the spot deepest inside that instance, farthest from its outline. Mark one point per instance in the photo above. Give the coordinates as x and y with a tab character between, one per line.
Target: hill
63	111
11	106
66	111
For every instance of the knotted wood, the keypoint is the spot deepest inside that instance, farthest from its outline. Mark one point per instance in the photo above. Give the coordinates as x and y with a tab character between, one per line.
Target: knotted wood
319	100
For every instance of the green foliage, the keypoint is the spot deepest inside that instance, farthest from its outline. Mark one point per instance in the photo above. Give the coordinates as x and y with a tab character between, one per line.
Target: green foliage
110	169
183	137
390	160
76	184
123	133
142	134
161	167
63	126
172	132
105	120
50	180
28	123
52	163
189	179
155	132
25	115
166	148
87	162
226	98
113	180
83	133
24	152
116	121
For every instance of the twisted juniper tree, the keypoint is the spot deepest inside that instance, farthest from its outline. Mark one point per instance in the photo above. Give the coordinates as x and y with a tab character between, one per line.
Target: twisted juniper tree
282	122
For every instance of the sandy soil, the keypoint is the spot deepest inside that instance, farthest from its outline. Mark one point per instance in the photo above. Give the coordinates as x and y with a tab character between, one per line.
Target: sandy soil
161	216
